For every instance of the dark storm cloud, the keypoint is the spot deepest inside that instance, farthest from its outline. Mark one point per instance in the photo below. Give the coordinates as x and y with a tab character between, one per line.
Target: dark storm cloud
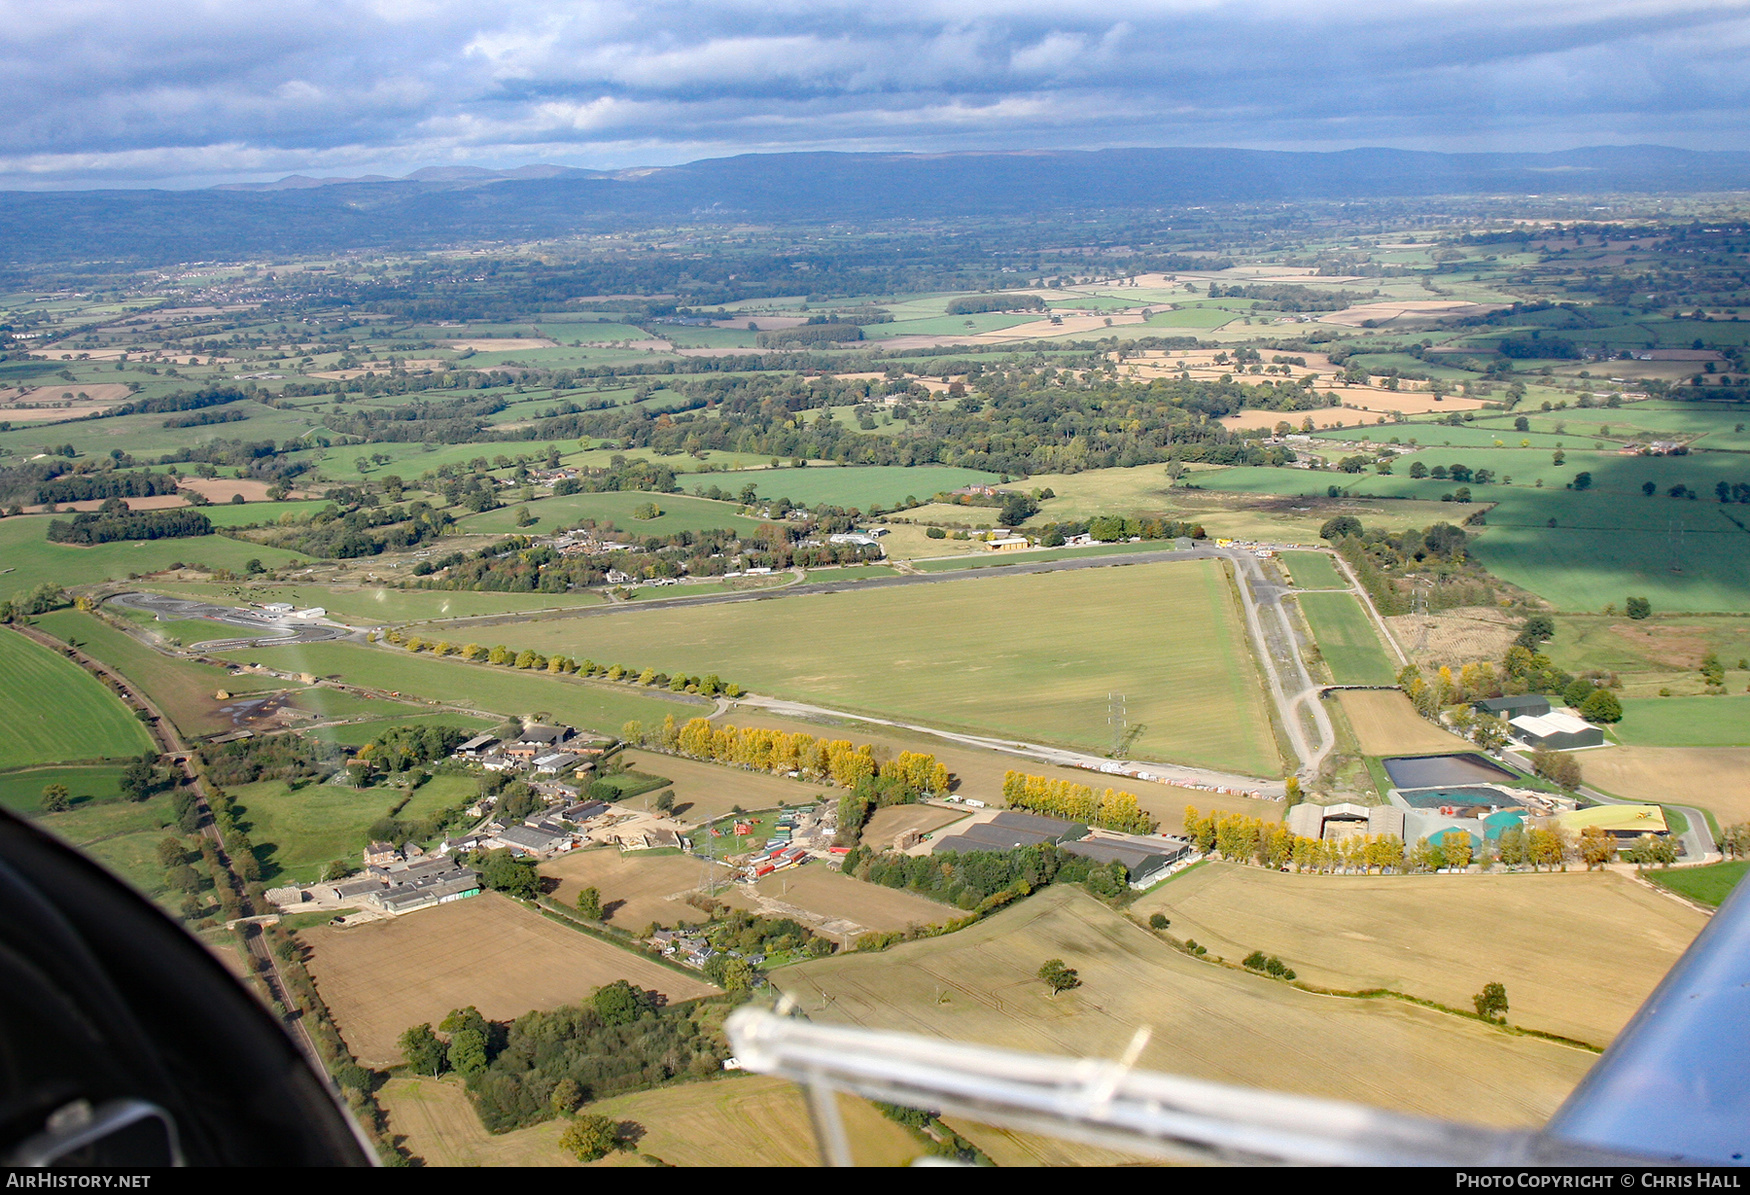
115	91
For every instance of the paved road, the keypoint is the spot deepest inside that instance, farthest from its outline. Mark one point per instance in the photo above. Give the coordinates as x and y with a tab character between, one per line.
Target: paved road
272	632
1145	556
1279	648
1170	772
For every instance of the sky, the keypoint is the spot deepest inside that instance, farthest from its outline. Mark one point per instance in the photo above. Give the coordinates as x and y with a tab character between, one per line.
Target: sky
182	93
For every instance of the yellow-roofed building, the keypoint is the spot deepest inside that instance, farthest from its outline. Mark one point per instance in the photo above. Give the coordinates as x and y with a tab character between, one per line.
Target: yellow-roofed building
1626	822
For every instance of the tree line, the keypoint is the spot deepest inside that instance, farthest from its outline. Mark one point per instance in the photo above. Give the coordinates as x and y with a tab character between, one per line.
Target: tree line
547	1064
782	752
1110	810
103	528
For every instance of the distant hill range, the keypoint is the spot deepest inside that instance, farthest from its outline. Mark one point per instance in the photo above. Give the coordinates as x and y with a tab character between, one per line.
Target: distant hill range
446	205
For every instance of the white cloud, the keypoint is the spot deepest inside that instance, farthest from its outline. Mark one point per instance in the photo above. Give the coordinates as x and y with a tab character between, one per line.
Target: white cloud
116	91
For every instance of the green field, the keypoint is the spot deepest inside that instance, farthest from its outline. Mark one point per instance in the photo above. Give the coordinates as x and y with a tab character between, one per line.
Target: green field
296	832
679	513
55	711
1708	885
121	835
1666	645
1685	721
357	734
861	486
600	706
229	514
1313	570
1607	543
1347	639
22	791
850	572
1031	656
30	559
182	689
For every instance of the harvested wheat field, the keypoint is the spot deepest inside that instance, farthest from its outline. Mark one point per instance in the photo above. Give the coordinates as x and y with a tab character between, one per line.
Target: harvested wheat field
754	1120
706	790
1208	1021
441	1128
1321	419
1010	1147
220	489
500	344
1385	723
1355	317
889	823
1578	951
837	904
1715	778
637	888
735	1121
1370	400
1455	637
381	978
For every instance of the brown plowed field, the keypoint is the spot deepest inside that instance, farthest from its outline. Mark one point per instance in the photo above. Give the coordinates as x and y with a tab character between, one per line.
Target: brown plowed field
637	888
707	790
817	889
382	978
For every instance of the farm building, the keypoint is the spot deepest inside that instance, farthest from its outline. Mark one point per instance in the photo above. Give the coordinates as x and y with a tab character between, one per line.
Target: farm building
1145	860
537	740
1556	731
1344	818
393	888
1008	543
530	840
476	747
557	763
1526	705
428	882
1008	830
1625	823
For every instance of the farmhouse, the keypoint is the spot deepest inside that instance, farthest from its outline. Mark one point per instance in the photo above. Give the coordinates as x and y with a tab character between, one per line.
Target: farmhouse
1556	731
